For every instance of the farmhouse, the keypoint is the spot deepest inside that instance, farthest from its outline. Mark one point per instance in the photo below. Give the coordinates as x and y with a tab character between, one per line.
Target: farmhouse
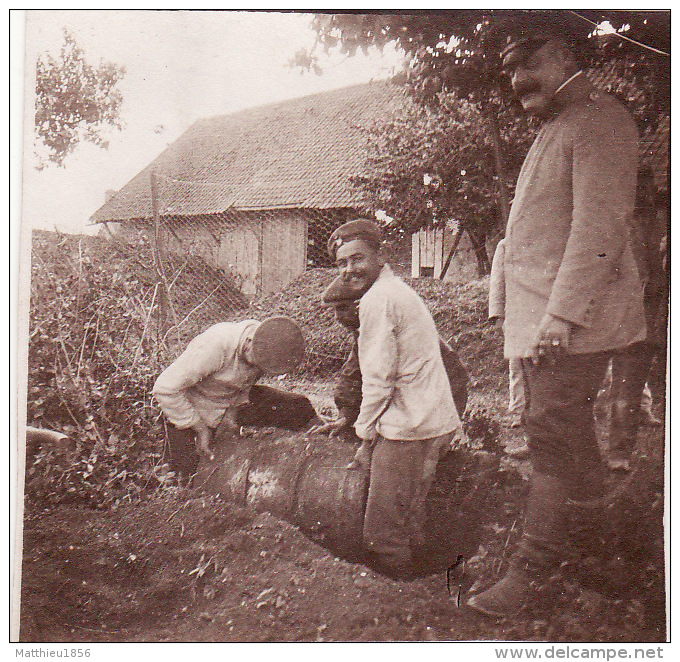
256	193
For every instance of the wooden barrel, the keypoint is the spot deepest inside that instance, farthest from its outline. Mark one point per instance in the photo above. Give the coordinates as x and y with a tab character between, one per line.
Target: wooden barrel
330	506
304	480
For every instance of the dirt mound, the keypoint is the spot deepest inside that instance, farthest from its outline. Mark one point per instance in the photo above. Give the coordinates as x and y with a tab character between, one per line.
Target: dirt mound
459	311
303	478
178	566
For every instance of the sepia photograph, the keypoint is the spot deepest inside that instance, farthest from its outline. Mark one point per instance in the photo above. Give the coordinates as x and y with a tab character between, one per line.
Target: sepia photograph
342	327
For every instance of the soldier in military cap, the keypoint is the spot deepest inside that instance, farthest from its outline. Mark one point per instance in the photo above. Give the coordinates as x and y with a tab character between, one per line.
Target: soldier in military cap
210	388
407	414
347	391
573	294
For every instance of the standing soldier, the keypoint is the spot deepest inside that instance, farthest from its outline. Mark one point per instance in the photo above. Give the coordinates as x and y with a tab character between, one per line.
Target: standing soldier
573	294
407	414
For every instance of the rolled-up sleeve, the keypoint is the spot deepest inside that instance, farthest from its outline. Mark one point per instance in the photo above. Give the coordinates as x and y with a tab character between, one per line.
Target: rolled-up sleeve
202	357
378	363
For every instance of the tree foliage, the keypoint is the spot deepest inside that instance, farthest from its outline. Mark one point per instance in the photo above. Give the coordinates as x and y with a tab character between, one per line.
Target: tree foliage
458	50
456	155
74	101
429	164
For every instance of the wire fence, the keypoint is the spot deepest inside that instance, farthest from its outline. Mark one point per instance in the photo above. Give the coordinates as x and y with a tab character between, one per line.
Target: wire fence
210	266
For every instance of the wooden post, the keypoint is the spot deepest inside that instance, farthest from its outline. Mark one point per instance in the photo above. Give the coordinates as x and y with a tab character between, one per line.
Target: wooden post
449	257
415	254
162	291
260	255
438	252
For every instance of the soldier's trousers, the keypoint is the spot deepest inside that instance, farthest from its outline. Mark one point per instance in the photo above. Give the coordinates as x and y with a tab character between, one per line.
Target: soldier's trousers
267	407
560	423
402	473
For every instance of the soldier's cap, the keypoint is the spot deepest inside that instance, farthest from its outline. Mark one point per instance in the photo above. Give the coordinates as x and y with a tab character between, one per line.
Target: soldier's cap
339	293
278	346
530	30
360	228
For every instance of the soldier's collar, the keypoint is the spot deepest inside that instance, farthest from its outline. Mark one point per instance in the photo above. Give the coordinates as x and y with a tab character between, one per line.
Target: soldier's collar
574	89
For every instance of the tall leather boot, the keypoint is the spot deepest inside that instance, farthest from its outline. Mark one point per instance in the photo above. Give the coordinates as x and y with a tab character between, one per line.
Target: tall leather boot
537	553
629	373
623	431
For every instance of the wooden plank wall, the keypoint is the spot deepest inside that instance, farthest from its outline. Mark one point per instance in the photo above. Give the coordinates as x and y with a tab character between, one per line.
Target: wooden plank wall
284	249
239	253
427	251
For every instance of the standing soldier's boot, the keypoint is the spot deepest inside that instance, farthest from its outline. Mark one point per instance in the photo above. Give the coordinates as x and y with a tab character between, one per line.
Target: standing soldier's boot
629	372
622	434
537	553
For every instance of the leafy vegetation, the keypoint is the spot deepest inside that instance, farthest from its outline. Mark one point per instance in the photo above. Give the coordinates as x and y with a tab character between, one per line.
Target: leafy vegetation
74	101
434	163
92	362
95	350
457	152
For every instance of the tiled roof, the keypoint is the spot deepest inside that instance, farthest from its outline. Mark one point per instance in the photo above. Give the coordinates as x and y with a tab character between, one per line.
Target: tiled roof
296	153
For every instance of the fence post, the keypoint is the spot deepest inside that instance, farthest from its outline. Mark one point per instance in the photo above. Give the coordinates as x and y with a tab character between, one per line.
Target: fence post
454	246
162	291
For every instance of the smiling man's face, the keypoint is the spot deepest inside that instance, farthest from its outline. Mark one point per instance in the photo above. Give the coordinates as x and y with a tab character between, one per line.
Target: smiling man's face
359	264
536	77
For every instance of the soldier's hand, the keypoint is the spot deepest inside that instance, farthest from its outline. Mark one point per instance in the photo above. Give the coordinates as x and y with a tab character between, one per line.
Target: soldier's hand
203	439
552	339
228	426
362	458
333	426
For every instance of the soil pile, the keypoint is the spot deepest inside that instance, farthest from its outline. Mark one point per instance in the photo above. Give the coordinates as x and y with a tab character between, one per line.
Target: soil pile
179	566
459	312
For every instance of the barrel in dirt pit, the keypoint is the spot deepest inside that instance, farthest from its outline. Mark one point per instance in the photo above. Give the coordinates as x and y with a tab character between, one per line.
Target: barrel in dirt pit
304	480
330	506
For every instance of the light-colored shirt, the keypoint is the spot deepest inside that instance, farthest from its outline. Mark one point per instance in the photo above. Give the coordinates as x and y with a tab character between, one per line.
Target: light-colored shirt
405	391
209	377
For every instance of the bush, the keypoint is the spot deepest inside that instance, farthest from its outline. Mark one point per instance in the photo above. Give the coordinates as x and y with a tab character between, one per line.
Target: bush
95	350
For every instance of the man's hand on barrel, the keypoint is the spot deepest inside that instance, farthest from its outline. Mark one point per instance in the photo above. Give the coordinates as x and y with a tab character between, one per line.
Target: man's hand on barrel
228	426
203	438
333	426
362	458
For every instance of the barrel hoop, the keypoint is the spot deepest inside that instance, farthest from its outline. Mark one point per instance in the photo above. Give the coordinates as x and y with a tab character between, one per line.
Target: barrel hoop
304	465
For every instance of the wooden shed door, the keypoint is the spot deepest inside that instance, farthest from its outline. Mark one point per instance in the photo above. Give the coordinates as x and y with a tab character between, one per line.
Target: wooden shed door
239	252
427	252
284	249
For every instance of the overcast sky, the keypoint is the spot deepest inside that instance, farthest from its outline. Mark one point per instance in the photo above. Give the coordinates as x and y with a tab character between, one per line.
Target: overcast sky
180	66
